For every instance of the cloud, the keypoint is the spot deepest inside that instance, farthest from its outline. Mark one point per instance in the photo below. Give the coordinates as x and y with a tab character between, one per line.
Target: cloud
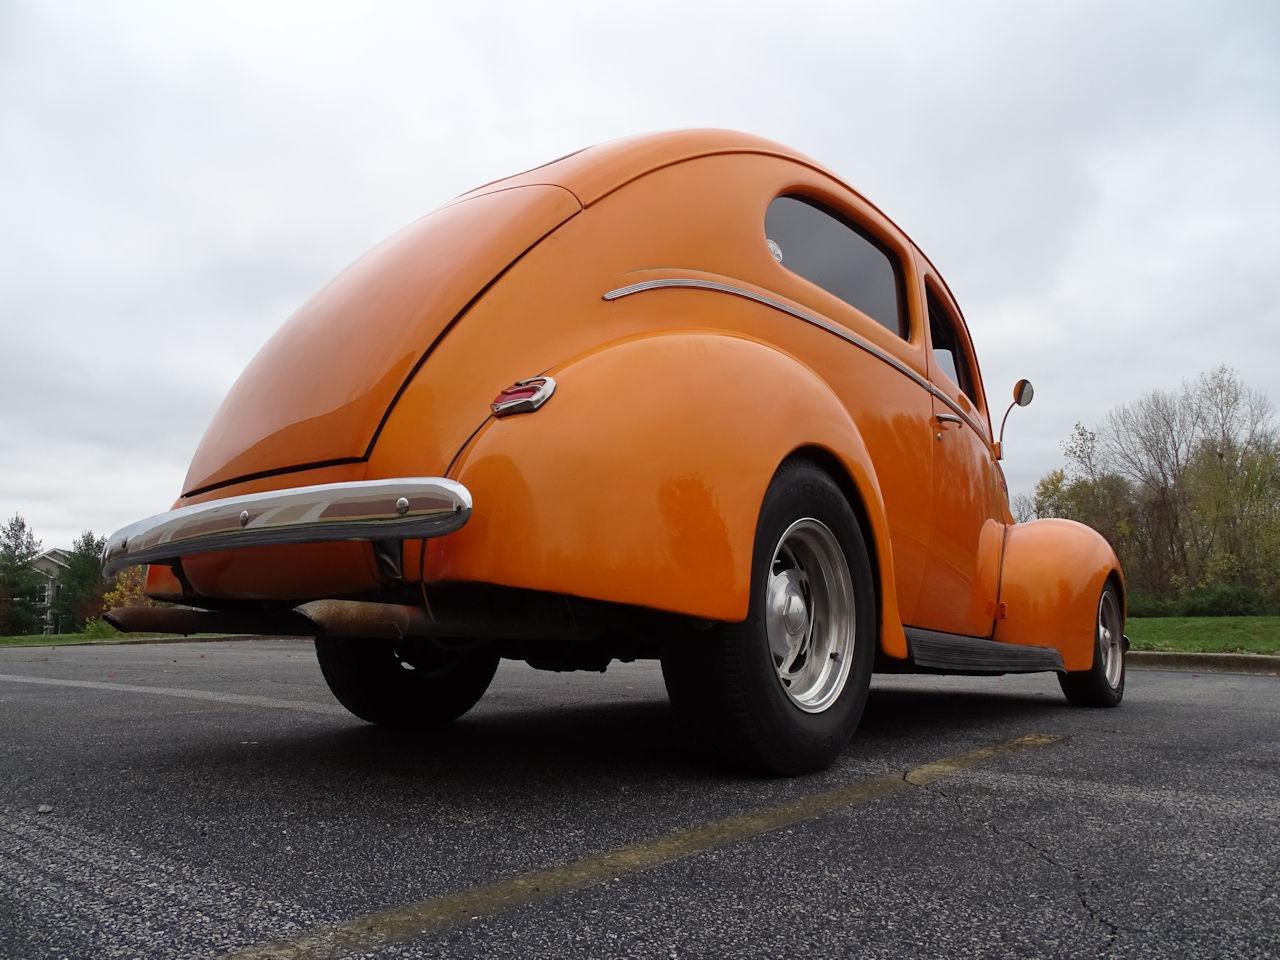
1095	181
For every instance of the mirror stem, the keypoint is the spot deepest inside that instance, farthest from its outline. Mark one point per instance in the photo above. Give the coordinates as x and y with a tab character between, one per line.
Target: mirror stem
1003	420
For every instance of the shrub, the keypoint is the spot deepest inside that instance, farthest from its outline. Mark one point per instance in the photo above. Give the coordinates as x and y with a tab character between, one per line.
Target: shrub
1141	605
127	591
1225	600
97	629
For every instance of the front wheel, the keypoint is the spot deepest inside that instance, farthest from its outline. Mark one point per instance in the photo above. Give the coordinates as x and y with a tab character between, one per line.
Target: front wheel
782	692
406	684
1102	685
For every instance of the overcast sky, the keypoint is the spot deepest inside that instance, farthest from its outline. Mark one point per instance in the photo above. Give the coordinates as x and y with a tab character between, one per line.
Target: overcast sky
1097	181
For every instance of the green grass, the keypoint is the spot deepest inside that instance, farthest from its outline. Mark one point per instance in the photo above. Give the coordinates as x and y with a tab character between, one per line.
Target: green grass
54	639
1206	634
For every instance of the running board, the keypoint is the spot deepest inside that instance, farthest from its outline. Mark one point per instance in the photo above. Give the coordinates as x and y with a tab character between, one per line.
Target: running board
953	653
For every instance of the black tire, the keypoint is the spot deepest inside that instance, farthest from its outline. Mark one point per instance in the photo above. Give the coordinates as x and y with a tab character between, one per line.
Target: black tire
1093	687
678	678
725	682
410	685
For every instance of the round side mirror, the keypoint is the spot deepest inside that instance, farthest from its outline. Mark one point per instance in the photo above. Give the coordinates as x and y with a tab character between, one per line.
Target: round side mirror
1023	392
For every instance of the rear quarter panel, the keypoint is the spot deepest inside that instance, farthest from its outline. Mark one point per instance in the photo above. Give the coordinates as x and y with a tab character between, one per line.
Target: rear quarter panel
641	489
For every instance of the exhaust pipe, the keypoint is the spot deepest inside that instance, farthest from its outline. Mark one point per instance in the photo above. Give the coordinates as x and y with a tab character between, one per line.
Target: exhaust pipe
185	621
462	617
341	618
359	618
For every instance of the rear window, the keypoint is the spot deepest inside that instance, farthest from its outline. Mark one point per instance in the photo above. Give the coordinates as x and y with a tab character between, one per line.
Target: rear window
826	249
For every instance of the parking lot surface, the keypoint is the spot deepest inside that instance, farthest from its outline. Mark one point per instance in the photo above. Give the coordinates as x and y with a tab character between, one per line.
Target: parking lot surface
205	799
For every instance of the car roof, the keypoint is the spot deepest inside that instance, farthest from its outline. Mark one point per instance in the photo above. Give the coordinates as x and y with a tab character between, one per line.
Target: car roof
597	171
594	172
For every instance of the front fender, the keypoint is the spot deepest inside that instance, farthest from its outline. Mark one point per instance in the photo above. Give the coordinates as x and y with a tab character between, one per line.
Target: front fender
640	481
1052	577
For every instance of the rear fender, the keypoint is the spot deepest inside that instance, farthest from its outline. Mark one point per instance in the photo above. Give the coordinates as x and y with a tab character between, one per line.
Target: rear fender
1052	578
640	481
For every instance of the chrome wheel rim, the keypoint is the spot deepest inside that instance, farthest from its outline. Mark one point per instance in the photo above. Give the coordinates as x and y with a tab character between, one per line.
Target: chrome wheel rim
809	615
1111	637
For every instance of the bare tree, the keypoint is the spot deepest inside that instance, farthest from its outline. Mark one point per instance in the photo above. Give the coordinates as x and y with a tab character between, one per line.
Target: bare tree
1023	507
1185	483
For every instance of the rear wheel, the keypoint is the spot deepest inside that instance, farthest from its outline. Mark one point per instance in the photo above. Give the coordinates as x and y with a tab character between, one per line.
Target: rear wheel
406	683
782	692
1102	685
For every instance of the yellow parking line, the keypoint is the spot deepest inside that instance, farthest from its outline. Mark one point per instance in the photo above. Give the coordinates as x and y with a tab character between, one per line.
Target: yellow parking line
397	925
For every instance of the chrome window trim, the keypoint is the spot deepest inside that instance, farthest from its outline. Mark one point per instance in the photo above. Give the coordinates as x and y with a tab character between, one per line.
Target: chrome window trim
396	509
811	318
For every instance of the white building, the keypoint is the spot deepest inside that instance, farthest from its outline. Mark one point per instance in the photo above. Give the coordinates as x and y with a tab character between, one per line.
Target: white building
50	564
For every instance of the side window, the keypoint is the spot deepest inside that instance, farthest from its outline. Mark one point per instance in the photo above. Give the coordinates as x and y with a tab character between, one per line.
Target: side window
948	348
827	250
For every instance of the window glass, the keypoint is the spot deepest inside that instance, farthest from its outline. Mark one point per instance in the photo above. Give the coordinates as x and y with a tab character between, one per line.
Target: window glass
949	353
808	240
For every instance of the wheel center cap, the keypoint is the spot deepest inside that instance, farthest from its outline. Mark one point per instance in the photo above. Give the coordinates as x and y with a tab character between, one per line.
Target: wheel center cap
794	614
788	612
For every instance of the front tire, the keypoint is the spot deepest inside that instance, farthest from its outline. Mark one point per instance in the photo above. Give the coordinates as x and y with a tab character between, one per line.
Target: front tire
782	692
409	684
1102	685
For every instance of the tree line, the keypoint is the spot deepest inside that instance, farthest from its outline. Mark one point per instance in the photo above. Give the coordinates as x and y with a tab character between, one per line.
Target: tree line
80	593
1185	484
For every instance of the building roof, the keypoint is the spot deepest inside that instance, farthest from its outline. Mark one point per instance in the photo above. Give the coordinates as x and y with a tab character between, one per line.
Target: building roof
53	557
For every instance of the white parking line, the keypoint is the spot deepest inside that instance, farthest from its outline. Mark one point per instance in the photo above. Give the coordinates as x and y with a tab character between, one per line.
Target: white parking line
302	706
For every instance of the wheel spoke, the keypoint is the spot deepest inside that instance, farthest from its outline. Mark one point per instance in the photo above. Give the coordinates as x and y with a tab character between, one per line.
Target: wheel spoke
1111	638
789	659
811	615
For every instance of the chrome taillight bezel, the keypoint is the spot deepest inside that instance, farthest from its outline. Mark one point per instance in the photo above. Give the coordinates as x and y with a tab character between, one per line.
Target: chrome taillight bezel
523	396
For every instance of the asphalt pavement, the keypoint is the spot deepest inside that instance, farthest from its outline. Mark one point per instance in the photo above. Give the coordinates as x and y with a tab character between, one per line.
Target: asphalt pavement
211	799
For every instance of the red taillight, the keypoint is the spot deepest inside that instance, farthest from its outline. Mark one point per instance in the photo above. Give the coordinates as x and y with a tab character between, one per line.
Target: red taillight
523	396
516	393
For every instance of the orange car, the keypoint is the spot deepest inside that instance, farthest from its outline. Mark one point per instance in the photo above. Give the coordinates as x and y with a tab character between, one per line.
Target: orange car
686	396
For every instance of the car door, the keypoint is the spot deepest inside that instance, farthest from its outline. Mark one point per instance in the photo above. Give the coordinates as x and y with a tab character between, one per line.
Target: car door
844	261
963	568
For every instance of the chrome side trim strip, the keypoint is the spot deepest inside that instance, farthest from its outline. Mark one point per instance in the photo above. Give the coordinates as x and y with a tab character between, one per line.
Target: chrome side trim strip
811	318
408	508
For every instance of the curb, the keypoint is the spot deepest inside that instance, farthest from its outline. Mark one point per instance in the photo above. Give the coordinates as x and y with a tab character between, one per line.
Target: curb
1205	662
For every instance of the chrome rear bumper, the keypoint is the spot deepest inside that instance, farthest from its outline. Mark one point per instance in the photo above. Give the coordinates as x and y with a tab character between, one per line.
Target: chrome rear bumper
411	508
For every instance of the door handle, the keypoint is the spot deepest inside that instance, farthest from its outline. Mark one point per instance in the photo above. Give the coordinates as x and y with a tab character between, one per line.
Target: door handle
948	418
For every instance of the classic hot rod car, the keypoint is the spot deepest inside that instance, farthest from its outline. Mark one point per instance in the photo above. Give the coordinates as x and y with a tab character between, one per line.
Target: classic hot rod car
687	397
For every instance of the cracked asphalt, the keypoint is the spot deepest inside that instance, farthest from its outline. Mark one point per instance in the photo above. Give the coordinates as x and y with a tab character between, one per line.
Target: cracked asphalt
203	798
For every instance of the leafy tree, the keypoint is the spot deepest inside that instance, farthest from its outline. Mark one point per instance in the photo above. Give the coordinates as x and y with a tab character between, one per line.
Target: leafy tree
21	584
80	585
1186	485
127	590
